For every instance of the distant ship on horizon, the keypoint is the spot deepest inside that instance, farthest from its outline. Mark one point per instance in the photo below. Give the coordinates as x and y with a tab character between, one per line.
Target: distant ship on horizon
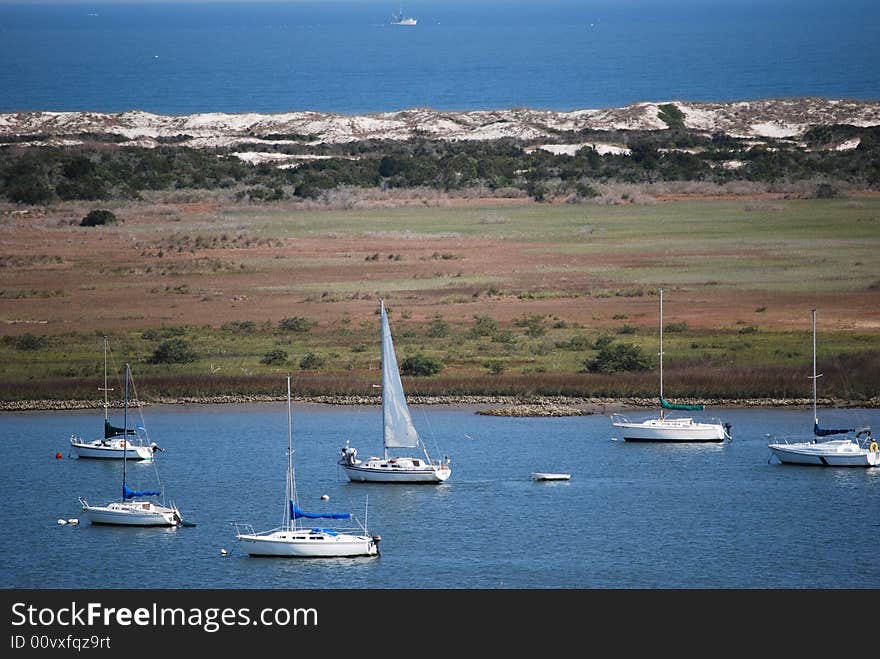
400	19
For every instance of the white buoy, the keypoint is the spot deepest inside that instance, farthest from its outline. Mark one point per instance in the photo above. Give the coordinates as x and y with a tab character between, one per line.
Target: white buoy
324	497
73	521
62	522
223	552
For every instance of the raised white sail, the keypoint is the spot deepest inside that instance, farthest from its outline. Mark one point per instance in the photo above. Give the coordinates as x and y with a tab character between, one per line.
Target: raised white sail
399	431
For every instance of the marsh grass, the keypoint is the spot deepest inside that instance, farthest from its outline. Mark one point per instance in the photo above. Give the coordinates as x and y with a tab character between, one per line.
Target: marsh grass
714	364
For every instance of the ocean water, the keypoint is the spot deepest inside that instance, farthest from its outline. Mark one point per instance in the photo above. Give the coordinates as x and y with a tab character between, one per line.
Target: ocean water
343	56
632	516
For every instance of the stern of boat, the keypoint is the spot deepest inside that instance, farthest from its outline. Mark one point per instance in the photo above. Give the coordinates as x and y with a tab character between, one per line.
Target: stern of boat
442	472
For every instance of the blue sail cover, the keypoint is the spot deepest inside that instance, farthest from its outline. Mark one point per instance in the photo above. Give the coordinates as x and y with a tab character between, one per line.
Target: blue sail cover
296	513
824	432
128	493
112	431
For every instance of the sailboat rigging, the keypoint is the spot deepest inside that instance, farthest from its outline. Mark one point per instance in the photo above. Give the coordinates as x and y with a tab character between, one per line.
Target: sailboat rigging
668	429
398	432
132	510
293	539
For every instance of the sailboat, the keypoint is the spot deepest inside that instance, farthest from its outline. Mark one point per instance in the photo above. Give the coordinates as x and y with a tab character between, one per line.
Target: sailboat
293	539
398	432
844	452
133	510
399	19
115	444
666	429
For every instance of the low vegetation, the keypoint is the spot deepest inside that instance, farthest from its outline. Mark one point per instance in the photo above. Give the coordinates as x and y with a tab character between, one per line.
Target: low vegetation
104	170
573	361
99	217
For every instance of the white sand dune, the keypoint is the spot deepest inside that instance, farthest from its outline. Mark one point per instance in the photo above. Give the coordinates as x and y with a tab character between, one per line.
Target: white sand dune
772	118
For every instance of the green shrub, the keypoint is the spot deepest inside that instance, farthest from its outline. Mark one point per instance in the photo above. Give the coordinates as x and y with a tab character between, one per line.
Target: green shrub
275	356
311	362
826	191
577	342
98	218
420	365
671	115
484	326
502	336
30	188
295	324
495	366
26	341
675	327
438	328
239	326
616	358
173	351
586	191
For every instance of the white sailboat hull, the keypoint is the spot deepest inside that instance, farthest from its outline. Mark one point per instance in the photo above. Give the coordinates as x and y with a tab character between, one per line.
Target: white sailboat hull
545	476
308	544
833	453
110	449
132	513
669	430
400	470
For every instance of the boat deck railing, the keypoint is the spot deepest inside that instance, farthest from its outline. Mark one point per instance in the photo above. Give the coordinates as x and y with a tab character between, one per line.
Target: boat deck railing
242	528
807	438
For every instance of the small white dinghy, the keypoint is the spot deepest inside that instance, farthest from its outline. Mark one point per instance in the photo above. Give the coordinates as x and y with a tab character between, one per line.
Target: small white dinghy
547	476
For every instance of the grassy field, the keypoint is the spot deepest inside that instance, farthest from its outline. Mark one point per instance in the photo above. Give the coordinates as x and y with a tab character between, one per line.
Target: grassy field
740	278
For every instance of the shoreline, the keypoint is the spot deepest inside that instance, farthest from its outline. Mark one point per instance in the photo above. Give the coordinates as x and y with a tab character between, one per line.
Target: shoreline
519	406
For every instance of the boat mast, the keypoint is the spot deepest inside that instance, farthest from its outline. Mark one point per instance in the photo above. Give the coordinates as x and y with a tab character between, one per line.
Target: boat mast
125	433
815	377
661	352
382	366
291	478
104	388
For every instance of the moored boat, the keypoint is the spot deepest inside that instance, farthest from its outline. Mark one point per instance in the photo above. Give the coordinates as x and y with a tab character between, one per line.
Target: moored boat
398	432
296	540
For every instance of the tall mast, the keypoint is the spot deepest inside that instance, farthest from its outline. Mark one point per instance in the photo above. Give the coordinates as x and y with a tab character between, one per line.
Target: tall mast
815	416
104	388
382	365
125	433
661	351
291	478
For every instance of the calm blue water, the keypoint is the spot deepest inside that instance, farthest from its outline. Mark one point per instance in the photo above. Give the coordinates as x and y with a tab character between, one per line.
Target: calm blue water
633	515
344	57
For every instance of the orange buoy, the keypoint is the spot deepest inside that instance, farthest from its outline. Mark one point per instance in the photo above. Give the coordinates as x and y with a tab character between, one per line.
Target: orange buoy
58	456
